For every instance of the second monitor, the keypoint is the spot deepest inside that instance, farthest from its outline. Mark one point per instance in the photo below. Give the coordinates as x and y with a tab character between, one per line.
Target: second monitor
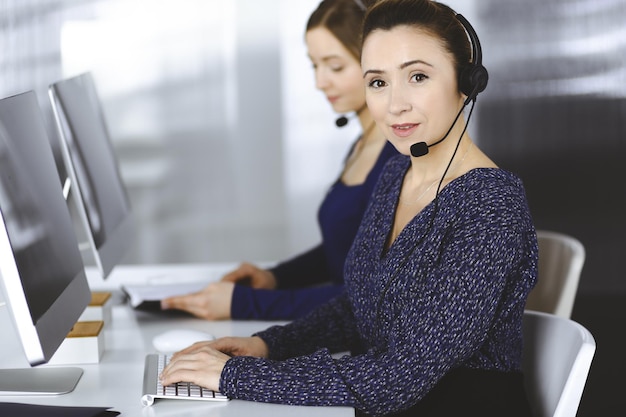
96	185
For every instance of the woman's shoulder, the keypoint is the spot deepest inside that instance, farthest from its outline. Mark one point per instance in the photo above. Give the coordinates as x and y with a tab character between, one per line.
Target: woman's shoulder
489	189
488	178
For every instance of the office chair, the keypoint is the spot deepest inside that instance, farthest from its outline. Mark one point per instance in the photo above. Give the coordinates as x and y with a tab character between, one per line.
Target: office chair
556	361
561	259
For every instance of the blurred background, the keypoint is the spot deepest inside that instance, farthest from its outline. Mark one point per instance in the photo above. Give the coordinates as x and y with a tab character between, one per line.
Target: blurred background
227	148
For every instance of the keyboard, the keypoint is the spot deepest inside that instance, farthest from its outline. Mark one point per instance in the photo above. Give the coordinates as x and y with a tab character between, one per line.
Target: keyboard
152	388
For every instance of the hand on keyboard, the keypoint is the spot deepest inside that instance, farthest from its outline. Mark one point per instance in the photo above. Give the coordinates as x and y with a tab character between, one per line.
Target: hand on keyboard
199	364
153	389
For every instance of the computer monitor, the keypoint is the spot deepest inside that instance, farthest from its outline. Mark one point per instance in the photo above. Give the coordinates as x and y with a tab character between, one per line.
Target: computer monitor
100	196
42	275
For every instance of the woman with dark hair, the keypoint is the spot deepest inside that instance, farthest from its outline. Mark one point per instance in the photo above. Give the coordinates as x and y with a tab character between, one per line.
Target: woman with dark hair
437	278
298	285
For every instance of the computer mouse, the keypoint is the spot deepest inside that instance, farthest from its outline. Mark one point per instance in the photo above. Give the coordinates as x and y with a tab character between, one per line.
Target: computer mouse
177	339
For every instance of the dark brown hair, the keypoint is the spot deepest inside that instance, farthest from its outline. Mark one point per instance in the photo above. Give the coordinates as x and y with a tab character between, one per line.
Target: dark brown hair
344	19
435	18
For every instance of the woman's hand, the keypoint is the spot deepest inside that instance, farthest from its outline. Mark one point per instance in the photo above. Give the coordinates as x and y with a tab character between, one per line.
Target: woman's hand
242	346
252	275
211	303
202	363
199	364
215	300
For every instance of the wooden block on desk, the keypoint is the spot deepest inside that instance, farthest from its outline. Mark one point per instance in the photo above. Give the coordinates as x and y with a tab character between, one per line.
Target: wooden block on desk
99	309
83	344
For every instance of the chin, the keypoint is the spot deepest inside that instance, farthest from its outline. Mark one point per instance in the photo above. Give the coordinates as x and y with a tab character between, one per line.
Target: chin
339	109
343	108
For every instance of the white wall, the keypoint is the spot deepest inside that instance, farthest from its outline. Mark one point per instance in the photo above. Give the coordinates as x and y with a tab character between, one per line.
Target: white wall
225	145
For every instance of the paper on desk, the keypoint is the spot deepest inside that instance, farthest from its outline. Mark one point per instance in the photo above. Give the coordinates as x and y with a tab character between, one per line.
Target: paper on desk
139	294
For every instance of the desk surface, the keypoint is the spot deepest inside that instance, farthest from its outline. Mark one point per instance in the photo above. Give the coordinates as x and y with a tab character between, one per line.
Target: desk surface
116	381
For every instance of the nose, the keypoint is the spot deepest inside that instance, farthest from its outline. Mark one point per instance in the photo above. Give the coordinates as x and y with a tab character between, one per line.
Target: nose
322	81
398	100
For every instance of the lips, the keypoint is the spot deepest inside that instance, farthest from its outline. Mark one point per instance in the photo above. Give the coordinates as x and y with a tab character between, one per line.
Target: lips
405	129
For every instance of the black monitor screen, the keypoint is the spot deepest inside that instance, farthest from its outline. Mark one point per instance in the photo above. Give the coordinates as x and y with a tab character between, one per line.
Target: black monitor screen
85	132
41	271
40	233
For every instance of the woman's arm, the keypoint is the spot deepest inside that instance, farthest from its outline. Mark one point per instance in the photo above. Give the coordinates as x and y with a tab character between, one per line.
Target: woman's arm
331	325
437	325
250	303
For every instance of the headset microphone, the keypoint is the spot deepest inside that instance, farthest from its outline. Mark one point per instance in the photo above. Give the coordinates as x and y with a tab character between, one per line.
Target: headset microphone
341	121
421	148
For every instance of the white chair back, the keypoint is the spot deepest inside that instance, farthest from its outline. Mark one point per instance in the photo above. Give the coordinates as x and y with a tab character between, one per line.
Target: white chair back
556	361
561	259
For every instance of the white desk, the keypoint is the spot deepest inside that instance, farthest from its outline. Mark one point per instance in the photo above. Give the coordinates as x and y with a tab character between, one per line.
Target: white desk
116	381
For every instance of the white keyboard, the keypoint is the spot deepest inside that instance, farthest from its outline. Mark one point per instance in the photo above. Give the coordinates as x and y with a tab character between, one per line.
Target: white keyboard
152	388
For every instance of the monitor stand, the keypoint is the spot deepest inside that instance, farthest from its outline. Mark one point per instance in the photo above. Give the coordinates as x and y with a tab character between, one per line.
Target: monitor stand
39	381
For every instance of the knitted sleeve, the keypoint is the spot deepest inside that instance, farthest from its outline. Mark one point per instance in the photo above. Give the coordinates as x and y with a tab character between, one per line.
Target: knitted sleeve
329	326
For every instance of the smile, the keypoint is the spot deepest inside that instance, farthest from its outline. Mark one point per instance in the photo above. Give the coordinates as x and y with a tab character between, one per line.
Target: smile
404	129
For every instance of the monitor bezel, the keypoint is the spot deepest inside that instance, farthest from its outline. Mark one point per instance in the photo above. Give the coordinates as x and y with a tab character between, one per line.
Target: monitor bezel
116	245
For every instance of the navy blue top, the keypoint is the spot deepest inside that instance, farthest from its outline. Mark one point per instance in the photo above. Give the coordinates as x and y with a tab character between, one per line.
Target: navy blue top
448	294
316	276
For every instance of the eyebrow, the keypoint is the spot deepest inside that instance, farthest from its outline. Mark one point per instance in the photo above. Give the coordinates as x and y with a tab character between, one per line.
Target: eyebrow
401	66
415	61
327	57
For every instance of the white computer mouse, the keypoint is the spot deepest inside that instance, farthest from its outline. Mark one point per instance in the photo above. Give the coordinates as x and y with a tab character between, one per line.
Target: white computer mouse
177	339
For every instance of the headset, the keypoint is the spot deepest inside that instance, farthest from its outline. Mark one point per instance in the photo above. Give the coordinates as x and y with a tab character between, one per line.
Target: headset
473	77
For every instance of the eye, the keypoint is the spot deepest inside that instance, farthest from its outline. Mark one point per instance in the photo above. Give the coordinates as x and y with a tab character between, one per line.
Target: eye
419	77
336	69
376	83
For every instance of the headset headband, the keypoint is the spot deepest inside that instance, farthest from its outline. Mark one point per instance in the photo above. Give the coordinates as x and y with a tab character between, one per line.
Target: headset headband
474	76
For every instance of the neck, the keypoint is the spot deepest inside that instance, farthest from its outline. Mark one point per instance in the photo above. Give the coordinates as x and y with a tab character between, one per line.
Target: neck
431	167
368	126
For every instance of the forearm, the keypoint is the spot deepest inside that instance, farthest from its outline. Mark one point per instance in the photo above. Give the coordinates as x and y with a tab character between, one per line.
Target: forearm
329	326
311	380
250	303
369	382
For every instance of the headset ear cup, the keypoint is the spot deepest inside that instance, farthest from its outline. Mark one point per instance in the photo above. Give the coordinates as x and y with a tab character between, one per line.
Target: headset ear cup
473	80
465	80
480	77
